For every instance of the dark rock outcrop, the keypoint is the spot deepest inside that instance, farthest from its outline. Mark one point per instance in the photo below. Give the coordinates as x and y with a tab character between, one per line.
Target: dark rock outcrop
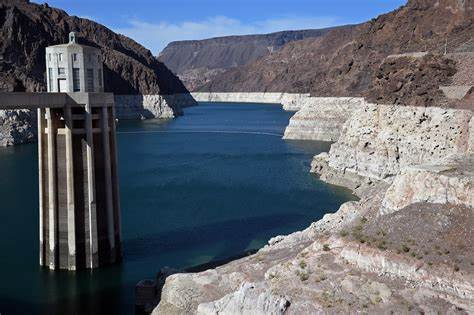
27	28
410	78
344	62
197	62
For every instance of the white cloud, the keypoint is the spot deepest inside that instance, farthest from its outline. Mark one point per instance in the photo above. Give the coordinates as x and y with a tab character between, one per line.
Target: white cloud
156	36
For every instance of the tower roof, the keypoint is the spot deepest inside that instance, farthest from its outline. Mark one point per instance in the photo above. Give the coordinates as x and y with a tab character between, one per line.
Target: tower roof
73	41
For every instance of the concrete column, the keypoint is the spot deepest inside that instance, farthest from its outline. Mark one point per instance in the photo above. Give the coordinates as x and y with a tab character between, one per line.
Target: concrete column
41	142
52	194
71	209
93	261
115	179
108	181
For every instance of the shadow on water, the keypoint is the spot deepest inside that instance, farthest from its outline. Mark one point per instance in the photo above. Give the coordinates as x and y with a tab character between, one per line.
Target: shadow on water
237	233
103	301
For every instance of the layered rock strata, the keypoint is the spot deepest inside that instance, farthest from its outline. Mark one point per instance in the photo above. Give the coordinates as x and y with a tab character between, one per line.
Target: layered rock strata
321	118
290	101
152	106
380	140
448	181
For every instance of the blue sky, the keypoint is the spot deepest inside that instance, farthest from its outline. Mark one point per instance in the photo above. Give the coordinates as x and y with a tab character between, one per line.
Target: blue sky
156	23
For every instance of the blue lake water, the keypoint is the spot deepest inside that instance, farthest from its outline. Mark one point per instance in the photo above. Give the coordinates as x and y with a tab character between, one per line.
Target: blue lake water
210	185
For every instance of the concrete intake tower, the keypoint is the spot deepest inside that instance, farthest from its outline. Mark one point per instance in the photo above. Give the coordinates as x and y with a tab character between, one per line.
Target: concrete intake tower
78	181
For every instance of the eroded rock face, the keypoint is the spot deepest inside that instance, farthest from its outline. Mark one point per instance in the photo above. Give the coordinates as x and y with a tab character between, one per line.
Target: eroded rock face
152	106
379	140
250	298
290	101
16	126
144	107
321	118
448	181
412	80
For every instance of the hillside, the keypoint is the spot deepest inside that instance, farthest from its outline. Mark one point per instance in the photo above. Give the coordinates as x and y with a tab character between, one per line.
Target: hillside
345	62
198	61
27	28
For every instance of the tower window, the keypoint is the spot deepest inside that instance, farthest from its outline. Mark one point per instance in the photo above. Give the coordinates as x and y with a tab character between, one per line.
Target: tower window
90	80
99	77
76	82
61	71
74	57
60	57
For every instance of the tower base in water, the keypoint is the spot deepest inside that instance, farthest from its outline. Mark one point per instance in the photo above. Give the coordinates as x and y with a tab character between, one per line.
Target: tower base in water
78	183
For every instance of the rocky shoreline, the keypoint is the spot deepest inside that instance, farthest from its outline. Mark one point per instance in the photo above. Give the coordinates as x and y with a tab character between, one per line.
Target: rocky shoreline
152	106
405	247
290	101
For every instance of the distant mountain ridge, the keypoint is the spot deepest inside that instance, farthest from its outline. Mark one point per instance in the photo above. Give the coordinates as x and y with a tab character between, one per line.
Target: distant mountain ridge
27	28
198	61
346	62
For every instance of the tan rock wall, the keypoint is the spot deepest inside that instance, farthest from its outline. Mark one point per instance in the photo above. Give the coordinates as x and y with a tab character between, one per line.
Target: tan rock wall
379	140
290	101
322	118
451	183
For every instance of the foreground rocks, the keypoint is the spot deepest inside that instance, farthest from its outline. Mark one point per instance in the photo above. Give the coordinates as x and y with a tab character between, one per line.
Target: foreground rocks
372	263
405	247
450	181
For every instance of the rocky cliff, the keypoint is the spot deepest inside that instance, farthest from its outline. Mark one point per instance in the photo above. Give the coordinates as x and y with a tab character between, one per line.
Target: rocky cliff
129	68
197	62
346	62
378	141
321	118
